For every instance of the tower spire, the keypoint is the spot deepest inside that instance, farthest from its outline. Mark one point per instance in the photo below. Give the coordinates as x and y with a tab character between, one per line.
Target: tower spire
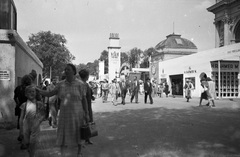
173	27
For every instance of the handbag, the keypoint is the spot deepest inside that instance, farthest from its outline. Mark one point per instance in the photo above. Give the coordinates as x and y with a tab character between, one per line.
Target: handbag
88	131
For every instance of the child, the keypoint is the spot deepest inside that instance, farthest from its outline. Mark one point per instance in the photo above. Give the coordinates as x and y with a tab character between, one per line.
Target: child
32	114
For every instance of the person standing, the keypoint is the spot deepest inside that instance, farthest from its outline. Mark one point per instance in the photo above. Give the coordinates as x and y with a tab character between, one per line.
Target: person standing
148	91
212	92
73	112
160	89
123	90
52	102
166	89
20	98
208	89
32	114
84	75
188	89
134	89
105	89
114	90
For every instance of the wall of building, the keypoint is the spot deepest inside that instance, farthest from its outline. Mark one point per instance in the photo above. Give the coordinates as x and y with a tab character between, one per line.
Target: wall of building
19	60
7	64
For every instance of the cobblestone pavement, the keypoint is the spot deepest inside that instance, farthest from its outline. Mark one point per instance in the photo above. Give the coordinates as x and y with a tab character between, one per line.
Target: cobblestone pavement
169	127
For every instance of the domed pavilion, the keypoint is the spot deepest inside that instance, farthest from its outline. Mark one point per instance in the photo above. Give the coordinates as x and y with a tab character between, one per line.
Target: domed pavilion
172	47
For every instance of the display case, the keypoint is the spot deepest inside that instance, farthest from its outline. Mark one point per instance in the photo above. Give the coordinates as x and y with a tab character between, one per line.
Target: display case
228	84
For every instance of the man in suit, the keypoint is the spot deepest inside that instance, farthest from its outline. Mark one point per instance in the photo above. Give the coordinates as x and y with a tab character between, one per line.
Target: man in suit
135	89
123	89
148	91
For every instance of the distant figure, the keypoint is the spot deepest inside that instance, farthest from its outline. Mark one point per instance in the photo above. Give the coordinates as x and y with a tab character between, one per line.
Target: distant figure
188	89
134	89
166	89
123	90
114	90
148	91
105	90
160	89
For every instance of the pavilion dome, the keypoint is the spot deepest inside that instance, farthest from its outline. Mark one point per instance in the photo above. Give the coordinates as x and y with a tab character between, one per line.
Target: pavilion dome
175	41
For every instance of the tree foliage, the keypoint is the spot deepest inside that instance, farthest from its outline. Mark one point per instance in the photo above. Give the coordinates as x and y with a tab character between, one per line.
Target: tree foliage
148	53
51	50
124	57
104	57
135	57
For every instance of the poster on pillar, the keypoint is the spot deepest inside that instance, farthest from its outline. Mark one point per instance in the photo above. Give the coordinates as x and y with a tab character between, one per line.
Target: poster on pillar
114	63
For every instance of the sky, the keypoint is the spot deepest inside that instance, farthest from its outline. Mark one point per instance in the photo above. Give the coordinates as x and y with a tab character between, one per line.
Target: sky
87	24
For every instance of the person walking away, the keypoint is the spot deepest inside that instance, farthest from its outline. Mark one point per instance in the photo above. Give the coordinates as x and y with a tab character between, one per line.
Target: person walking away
20	98
73	112
134	89
123	90
148	91
188	89
52	102
105	89
166	89
84	75
32	114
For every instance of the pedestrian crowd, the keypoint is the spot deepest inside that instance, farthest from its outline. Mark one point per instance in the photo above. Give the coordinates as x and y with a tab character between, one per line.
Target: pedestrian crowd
67	104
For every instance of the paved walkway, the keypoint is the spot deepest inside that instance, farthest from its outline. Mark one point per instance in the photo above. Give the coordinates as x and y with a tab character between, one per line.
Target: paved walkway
169	127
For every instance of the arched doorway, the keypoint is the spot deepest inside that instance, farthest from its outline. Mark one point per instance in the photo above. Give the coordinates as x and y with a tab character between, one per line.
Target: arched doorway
237	32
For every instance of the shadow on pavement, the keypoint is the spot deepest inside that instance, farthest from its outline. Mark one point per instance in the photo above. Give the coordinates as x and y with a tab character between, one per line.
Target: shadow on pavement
194	131
149	132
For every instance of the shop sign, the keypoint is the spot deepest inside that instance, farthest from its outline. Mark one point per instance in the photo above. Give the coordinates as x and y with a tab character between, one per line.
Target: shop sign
225	66
4	75
190	71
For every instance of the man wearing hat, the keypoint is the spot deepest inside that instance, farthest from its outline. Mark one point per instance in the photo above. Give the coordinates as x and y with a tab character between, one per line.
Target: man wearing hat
148	91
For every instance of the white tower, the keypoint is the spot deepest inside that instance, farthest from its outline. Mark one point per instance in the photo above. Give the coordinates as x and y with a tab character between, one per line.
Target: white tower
101	70
114	55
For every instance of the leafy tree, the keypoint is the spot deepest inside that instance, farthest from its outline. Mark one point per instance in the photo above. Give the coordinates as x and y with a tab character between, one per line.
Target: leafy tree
104	57
124	57
51	50
135	57
148	53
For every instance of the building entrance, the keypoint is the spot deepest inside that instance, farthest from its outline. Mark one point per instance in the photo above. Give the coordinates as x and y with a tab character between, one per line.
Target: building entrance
177	80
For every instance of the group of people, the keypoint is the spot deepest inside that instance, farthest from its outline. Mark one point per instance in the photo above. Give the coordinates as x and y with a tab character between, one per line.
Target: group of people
74	97
121	88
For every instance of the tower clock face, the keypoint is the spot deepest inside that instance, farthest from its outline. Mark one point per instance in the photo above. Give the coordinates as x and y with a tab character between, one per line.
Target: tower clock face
153	69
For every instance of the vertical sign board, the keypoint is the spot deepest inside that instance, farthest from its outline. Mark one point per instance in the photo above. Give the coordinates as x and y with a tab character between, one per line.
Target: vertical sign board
4	75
